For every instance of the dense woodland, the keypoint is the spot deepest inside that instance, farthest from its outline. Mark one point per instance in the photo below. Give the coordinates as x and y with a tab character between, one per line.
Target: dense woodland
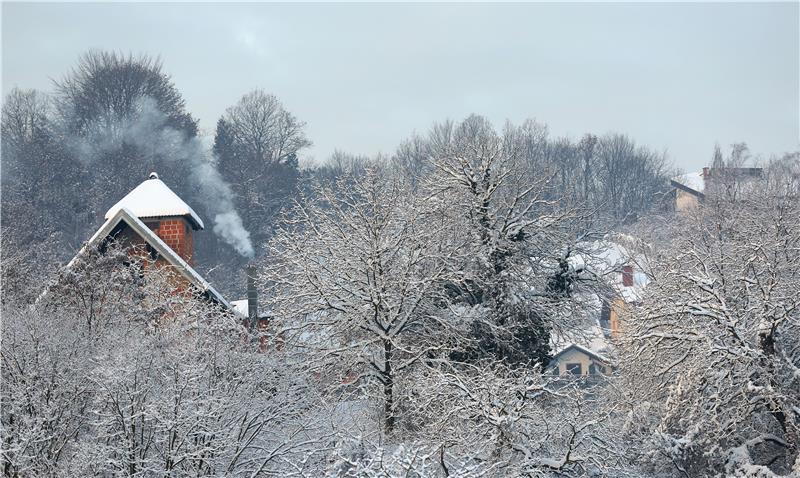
414	299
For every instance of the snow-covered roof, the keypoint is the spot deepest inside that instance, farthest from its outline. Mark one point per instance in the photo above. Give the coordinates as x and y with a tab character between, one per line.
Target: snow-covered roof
153	198
127	216
605	258
241	307
693	181
583	350
589	334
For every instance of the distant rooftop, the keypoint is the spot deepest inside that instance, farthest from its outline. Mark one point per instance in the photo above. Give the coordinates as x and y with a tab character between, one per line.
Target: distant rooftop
693	181
697	181
153	198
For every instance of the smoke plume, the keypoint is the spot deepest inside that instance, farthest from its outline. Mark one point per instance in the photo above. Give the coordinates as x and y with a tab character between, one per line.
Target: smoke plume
149	133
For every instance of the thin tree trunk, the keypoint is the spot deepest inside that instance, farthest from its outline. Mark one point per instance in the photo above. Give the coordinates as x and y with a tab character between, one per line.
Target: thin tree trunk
388	388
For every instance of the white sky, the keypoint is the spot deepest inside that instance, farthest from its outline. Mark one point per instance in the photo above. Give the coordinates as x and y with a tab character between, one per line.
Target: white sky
364	76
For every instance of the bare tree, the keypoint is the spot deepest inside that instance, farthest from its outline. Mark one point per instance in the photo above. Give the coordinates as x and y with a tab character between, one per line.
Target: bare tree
37	177
586	151
714	344
106	87
256	146
493	420
413	159
341	167
111	372
357	275
261	133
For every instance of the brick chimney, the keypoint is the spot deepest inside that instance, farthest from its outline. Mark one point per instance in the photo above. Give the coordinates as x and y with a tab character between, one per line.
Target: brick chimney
627	276
164	213
176	232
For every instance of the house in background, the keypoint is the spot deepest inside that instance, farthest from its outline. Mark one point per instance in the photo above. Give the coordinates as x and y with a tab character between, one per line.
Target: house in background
153	221
614	263
627	284
575	360
690	189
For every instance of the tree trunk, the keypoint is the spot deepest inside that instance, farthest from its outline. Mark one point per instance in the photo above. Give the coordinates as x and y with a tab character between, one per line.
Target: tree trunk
388	388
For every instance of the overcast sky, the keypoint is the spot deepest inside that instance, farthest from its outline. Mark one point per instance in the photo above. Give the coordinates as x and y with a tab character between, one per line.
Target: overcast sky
678	77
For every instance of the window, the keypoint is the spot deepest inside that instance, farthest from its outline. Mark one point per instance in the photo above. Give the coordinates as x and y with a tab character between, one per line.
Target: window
605	317
595	369
574	369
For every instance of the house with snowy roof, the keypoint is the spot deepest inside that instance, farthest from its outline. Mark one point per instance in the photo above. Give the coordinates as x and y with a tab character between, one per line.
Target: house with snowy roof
577	361
613	264
156	223
690	189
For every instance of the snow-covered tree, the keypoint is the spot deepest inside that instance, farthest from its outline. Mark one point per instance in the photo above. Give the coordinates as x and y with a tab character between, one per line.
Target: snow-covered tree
490	421
38	179
112	373
515	275
713	347
358	278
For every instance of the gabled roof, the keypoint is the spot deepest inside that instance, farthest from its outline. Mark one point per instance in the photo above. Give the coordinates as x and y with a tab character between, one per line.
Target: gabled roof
153	198
605	258
129	218
583	350
693	183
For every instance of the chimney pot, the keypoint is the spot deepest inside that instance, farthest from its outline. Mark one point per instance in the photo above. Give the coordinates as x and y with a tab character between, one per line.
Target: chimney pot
252	296
627	276
153	175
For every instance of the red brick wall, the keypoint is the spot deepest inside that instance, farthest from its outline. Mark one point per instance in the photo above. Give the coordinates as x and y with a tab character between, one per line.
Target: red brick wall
137	246
177	234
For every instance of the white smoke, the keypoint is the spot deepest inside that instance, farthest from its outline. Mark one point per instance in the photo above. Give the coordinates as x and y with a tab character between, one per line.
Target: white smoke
148	132
227	222
228	226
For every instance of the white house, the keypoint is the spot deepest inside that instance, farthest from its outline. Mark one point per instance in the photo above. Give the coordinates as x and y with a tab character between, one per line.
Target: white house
574	360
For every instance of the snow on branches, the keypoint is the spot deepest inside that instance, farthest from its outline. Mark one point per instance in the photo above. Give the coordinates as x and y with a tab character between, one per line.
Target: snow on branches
714	342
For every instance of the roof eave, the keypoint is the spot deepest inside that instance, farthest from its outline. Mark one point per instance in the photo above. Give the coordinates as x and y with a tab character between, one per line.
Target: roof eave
171	256
583	350
687	189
